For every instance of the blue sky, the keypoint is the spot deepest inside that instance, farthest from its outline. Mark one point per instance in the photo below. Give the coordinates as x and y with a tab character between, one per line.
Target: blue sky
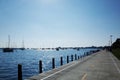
53	23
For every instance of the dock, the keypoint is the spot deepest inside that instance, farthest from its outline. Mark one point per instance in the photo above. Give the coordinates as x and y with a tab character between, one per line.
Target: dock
102	65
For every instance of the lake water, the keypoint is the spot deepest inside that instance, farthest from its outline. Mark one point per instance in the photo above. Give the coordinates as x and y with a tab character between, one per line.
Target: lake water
30	60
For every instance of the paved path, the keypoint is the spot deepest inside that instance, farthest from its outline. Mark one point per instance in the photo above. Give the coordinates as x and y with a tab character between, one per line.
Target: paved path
100	66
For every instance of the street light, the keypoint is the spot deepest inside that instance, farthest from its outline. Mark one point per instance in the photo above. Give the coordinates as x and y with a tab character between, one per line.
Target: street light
111	39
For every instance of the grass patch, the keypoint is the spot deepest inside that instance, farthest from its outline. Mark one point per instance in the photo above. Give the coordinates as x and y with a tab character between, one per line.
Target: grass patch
116	52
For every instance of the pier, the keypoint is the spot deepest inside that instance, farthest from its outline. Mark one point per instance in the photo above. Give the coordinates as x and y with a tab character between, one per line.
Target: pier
99	66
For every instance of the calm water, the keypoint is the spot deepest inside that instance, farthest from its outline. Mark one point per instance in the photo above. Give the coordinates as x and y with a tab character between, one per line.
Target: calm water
30	59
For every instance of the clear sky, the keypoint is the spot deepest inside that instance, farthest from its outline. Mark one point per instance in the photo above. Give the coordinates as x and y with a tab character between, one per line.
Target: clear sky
53	23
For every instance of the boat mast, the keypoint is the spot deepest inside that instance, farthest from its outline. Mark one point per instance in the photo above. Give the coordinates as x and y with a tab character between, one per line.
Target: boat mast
8	41
23	44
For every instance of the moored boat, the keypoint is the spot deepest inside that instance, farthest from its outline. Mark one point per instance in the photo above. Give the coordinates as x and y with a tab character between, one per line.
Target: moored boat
8	49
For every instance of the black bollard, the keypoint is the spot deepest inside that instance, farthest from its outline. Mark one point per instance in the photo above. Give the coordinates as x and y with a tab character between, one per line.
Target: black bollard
40	66
71	57
19	72
61	61
67	59
53	63
78	57
75	56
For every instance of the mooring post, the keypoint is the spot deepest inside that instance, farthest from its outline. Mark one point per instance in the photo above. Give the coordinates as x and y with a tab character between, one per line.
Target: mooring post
53	63
75	56
78	57
40	66
71	57
67	59
61	61
19	72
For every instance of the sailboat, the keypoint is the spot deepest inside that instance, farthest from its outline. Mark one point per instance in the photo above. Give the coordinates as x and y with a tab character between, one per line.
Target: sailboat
8	49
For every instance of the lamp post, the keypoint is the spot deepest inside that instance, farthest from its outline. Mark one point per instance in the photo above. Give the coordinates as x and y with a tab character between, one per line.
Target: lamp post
111	40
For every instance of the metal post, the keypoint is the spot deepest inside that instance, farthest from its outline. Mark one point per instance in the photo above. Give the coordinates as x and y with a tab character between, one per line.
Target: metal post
19	72
78	57
53	63
71	57
111	40
61	61
75	56
40	66
67	59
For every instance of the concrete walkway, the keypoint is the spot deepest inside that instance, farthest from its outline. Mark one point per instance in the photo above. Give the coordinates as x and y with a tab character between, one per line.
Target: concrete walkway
100	66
